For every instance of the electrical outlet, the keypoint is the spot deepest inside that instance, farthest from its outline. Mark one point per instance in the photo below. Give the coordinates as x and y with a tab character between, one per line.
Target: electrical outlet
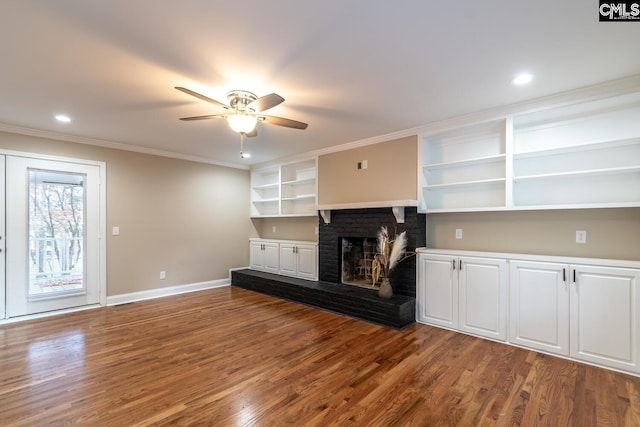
163	275
458	233
273	229
364	164
581	236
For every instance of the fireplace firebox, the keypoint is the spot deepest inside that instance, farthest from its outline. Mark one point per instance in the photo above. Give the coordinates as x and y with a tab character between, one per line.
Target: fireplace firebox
357	261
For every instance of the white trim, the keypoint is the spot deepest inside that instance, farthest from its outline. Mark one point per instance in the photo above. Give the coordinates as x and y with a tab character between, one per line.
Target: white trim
164	292
47	314
367	205
114	145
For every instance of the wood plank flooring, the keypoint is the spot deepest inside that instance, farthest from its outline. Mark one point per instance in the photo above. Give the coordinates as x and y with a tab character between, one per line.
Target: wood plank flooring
232	357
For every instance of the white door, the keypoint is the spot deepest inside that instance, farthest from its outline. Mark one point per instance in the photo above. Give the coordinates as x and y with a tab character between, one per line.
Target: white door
482	287
539	315
288	259
53	244
438	290
271	257
605	322
2	239
256	257
307	261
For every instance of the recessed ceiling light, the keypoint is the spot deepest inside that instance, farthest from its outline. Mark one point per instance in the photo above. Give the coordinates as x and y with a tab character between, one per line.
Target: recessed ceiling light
63	118
522	79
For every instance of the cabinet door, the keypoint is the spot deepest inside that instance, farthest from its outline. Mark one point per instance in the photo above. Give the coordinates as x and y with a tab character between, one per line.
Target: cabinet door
604	316
307	264
482	286
539	305
437	290
288	262
271	257
256	256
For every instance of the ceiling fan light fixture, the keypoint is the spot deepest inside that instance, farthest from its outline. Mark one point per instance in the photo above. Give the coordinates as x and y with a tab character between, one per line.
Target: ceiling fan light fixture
242	123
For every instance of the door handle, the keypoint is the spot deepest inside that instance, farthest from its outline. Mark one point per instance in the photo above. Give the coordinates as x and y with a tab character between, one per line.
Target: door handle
454	264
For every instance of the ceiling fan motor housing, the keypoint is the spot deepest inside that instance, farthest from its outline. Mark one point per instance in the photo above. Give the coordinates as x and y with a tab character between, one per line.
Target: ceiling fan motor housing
240	99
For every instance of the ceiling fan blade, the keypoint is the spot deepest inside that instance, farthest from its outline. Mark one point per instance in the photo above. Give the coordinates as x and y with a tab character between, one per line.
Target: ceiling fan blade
210	116
279	121
265	102
253	133
202	97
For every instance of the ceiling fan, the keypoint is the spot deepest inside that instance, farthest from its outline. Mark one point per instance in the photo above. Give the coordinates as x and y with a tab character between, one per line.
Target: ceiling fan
243	111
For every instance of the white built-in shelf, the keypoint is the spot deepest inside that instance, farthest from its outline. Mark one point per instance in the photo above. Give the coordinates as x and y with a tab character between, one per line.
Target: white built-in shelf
467	162
300	181
584	155
591	172
287	190
466	184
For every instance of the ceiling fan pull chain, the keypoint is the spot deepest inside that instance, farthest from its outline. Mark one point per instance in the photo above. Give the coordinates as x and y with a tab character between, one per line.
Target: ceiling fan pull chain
242	145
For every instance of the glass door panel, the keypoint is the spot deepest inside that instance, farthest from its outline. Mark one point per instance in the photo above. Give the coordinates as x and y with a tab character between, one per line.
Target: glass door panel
56	233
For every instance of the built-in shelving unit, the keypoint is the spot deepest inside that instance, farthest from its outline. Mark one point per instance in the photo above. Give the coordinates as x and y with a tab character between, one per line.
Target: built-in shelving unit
286	190
464	168
581	155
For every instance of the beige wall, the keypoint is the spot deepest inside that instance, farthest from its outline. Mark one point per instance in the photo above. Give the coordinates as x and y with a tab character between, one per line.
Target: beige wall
189	219
301	228
391	173
611	233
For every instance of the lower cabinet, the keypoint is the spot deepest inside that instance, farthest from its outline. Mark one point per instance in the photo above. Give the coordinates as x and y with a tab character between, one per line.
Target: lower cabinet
465	293
298	260
264	256
586	310
290	258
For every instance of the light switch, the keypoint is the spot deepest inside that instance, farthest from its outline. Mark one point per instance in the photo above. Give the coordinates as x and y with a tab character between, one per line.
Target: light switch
458	233
116	231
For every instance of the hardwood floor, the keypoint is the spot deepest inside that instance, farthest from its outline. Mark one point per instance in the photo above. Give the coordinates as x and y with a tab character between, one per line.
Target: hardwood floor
234	357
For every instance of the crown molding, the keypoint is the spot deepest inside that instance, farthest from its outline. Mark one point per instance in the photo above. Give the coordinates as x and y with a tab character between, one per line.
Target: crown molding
584	94
113	145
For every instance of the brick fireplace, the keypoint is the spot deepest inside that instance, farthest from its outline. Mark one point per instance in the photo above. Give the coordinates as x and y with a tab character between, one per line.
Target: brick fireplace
365	223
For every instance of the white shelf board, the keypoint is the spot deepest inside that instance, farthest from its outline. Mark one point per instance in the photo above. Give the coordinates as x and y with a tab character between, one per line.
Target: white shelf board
265	186
265	200
466	184
467	162
590	172
300	181
597	145
300	197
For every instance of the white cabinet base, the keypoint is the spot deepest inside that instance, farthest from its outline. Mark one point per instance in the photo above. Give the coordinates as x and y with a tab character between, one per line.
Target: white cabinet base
582	309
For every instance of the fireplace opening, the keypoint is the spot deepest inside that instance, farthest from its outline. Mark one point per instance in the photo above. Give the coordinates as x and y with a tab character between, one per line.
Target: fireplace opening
357	260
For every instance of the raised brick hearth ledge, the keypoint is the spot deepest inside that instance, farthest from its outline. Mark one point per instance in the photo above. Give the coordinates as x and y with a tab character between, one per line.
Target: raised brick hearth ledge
397	312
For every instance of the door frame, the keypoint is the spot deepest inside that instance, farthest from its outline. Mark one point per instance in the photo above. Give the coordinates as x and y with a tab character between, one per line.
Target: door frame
102	243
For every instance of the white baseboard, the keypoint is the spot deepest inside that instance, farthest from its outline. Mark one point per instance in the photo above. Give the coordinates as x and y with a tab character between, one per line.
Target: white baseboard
164	292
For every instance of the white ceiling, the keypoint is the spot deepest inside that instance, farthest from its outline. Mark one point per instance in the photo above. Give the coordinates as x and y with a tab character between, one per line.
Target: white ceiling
352	69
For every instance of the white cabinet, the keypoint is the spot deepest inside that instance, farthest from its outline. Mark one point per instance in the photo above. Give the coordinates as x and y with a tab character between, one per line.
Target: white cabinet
604	317
539	305
464	293
286	257
437	291
588	312
286	190
584	309
299	260
264	255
